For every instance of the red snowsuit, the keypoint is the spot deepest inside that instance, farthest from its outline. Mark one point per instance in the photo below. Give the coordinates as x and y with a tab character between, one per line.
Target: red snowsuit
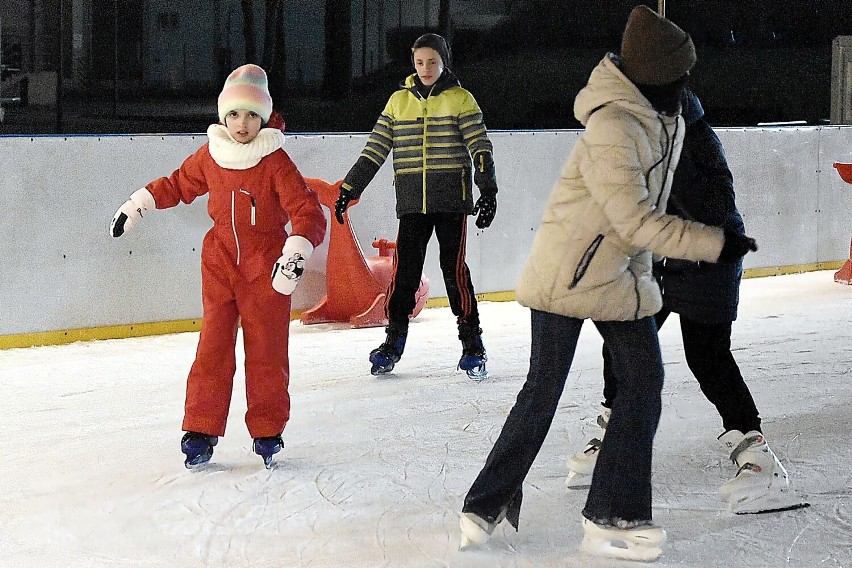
251	200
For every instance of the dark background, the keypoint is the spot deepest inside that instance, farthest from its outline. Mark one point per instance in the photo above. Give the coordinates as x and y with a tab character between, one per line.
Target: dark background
759	61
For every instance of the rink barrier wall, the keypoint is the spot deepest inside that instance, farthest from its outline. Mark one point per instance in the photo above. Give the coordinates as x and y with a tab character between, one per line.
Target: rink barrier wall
65	279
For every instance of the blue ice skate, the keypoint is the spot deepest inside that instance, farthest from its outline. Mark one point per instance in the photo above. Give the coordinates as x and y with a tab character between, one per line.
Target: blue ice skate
388	353
267	447
197	447
473	356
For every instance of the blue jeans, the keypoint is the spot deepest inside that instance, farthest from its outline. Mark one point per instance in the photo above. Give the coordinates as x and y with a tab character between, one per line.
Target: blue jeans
621	483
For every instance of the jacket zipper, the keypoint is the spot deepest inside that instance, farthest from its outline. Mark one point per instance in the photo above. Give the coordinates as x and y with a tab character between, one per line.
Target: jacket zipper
425	115
585	261
253	211
234	224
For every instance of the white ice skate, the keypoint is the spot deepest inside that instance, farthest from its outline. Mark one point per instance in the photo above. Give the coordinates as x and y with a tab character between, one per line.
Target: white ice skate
581	465
642	544
761	484
475	529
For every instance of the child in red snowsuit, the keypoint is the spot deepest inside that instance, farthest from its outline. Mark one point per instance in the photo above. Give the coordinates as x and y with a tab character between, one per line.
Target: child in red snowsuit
254	190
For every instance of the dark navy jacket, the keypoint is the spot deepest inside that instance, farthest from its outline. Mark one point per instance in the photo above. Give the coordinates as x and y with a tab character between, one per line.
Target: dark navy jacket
702	190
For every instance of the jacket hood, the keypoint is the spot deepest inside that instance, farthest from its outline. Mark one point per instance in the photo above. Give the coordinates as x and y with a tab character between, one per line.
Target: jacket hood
608	85
446	81
690	107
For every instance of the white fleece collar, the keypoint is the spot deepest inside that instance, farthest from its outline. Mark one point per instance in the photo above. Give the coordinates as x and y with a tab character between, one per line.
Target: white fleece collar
234	155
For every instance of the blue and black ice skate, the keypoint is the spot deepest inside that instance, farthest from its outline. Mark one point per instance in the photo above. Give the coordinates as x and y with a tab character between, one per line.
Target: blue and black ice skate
197	447
388	353
268	447
473	356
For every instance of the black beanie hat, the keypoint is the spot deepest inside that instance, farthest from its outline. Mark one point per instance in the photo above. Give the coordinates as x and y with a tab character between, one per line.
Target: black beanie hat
654	51
436	42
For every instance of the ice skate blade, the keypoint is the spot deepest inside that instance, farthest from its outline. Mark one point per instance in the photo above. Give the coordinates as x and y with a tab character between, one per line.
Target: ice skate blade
381	370
471	532
619	551
195	461
641	544
803	505
475	370
477	374
576	480
768	504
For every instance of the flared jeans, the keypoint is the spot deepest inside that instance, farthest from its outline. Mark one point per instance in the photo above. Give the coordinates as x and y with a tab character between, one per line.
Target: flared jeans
620	493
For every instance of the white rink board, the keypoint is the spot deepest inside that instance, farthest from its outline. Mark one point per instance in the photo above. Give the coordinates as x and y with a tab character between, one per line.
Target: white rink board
61	270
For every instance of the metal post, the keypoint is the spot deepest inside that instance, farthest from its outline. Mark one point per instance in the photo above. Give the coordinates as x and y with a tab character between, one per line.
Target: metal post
2	112
59	70
115	58
363	39
661	10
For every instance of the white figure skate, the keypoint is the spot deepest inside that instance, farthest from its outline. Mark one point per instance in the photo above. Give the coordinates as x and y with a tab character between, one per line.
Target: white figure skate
475	529
581	465
642	544
761	484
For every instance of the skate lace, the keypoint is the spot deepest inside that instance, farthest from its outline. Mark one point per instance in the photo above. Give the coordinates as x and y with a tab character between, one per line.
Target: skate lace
748	466
747	442
593	446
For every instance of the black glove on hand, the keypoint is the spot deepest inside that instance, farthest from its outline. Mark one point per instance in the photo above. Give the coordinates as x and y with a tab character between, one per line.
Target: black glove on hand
341	204
486	207
736	246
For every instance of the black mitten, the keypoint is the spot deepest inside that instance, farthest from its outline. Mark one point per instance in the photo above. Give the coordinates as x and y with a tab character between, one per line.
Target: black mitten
341	204
736	246
486	208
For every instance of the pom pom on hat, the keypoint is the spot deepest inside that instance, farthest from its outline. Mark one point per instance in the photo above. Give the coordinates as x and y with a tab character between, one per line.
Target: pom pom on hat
246	88
655	51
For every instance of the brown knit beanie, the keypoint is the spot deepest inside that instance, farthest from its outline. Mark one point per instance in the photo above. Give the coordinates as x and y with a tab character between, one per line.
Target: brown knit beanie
654	51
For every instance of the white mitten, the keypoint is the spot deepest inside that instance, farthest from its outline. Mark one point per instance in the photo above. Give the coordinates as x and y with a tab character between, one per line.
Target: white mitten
288	270
131	210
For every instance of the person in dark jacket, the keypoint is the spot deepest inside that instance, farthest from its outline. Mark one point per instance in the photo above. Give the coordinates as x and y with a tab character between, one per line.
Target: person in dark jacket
434	127
706	296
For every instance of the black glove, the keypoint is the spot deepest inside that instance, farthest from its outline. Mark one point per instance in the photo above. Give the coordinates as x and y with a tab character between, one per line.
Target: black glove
736	246
341	204
486	207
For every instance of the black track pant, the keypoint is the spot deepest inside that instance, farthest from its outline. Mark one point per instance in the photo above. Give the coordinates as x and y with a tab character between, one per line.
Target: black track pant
415	231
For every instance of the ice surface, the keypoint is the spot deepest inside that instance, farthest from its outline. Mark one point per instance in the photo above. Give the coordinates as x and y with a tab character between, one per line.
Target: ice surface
374	469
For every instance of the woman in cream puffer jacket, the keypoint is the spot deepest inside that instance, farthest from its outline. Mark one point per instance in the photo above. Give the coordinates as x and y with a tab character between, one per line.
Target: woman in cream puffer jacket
592	254
592	259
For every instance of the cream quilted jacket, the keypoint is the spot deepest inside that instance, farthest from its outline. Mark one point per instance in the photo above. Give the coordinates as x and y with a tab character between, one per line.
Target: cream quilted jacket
592	254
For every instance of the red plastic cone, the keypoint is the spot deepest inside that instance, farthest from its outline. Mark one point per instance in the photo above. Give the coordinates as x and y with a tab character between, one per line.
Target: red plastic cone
844	275
356	286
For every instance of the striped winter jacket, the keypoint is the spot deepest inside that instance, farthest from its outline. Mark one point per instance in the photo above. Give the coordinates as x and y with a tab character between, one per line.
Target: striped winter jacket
432	139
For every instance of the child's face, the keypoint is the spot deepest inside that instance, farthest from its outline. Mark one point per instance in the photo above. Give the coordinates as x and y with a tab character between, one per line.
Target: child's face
428	65
243	125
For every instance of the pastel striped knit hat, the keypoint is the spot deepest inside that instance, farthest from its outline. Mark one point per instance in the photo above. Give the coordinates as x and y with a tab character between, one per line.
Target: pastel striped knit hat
246	88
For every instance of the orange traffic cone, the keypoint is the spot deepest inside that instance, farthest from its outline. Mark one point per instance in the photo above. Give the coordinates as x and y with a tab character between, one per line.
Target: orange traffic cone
356	286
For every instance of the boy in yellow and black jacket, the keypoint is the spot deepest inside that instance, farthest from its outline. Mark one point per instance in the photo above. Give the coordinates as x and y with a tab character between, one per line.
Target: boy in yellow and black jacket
434	127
